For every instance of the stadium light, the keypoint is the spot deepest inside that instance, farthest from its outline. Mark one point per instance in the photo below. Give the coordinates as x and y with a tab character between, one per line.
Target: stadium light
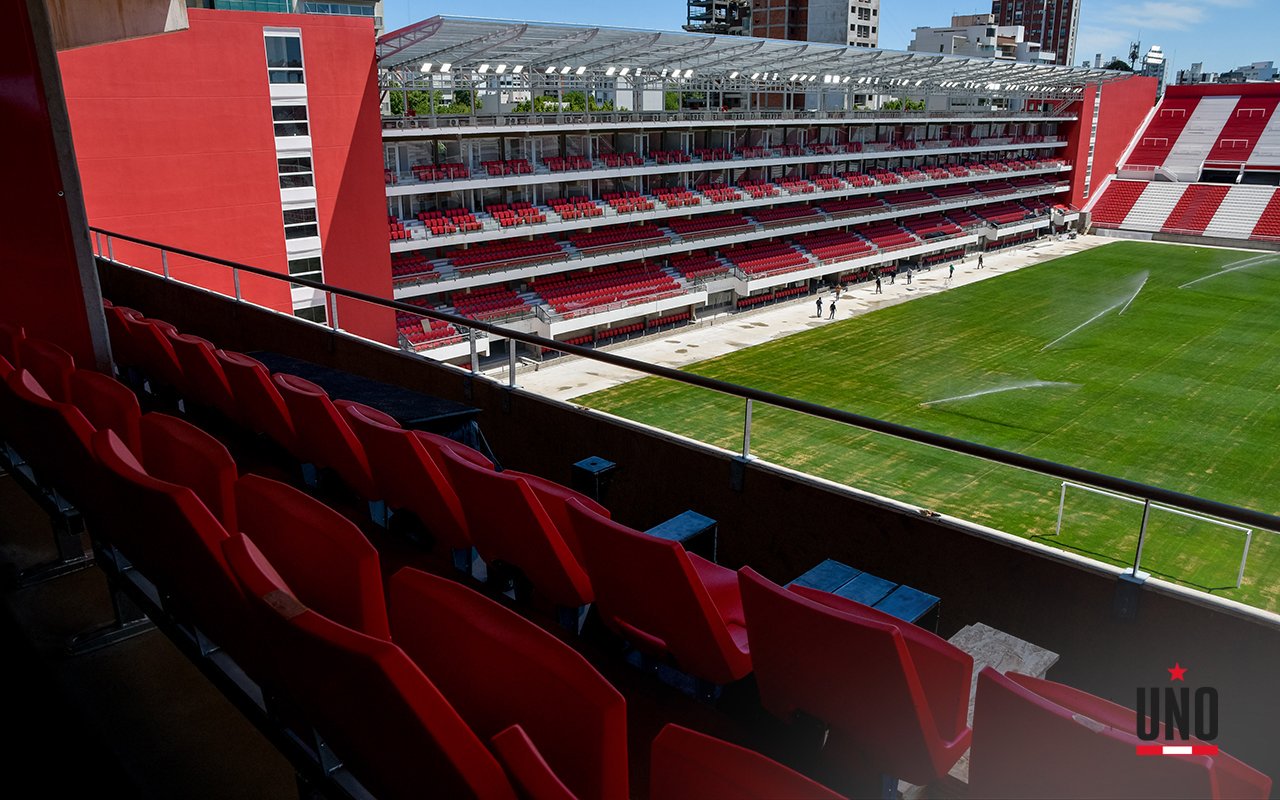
483	68
733	75
580	70
501	68
688	73
446	67
625	71
550	71
610	71
565	70
755	75
794	76
425	67
517	69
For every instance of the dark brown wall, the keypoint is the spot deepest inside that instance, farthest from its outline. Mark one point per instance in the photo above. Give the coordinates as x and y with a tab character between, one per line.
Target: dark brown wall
782	525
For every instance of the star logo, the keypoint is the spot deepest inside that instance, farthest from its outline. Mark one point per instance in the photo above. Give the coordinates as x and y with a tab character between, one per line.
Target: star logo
1176	672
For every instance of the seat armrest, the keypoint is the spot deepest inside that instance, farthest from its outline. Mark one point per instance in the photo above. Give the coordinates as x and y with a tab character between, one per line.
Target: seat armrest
527	768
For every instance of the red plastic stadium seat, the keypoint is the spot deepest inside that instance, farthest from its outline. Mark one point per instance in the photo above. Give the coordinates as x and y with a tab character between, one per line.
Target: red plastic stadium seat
663	600
176	542
1036	738
499	670
262	409
149	340
527	768
203	381
387	722
49	364
409	478
323	436
54	438
510	526
107	403
122	350
687	765
433	442
320	553
187	456
890	692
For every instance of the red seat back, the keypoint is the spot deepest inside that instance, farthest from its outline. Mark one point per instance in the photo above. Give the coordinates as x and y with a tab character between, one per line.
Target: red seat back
323	437
108	404
648	592
380	714
508	524
150	342
1036	738
123	351
554	498
410	478
325	558
50	365
203	381
187	456
499	670
687	765
434	443
176	542
887	689
54	438
260	405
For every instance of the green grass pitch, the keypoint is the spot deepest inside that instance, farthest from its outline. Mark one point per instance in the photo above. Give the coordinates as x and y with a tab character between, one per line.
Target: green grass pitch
1179	390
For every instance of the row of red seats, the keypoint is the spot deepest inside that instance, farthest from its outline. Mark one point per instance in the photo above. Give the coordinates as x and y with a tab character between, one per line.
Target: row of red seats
566	163
617	236
671	157
623	160
857	179
676	197
781	214
670	319
625	282
515	166
708	224
508	217
489	303
796	185
851	205
751	152
697	265
828	184
504	252
712	154
765	258
719	193
1003	213
933	259
397	229
575	207
627	202
888	235
411	266
293	592
834	245
439	172
807	648
759	189
931	226
621	330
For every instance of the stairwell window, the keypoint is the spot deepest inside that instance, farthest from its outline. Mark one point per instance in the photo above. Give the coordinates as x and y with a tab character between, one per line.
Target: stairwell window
300	223
284	57
289	119
295	172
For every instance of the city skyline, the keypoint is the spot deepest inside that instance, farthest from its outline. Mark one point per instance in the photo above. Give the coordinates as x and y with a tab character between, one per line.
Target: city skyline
1220	33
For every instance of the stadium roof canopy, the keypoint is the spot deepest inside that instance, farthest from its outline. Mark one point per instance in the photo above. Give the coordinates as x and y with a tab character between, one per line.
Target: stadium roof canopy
511	47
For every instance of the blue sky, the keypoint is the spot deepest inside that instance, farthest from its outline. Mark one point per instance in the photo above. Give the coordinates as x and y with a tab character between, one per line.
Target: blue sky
1221	33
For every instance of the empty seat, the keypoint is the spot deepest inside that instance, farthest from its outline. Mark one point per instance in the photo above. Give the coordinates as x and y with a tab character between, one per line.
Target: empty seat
122	350
149	340
409	478
893	695
510	527
175	541
261	407
322	555
323	437
687	765
49	364
1037	738
187	456
107	404
381	715
53	437
499	670
663	600
203	381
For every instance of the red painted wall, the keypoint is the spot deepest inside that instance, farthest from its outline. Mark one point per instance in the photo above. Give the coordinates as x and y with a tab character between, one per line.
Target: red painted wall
175	144
40	286
1125	104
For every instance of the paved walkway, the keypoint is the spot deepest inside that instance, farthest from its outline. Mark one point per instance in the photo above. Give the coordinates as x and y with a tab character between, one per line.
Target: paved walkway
566	378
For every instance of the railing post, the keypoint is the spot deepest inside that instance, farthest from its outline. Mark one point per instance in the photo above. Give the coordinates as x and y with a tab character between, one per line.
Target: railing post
475	356
1142	536
333	311
511	363
235	280
111	252
164	263
746	431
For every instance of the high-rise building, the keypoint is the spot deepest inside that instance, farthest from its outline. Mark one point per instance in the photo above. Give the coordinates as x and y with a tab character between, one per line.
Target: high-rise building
348	8
977	36
852	22
731	17
1052	23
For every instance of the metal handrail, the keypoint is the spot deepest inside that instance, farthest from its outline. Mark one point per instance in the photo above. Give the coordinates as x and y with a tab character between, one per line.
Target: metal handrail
1225	511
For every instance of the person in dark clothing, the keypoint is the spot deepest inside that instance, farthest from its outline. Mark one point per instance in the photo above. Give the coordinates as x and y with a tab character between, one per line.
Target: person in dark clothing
832	315
979	260
878	289
819	301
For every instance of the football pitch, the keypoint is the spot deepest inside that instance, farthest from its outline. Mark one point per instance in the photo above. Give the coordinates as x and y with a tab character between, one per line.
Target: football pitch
1157	363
